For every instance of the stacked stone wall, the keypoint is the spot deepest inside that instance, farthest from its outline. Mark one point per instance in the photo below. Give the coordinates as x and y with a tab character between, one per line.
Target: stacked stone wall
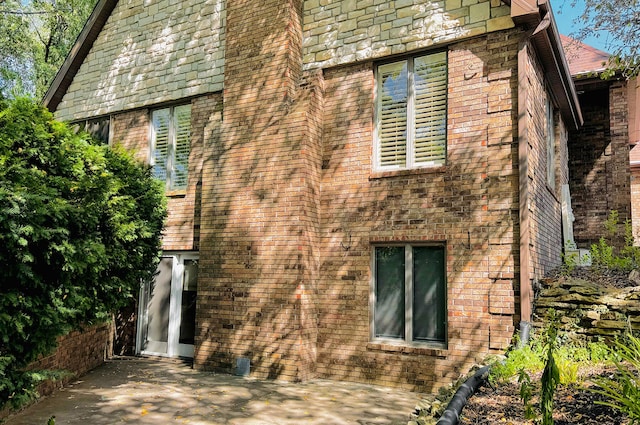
150	52
344	31
589	309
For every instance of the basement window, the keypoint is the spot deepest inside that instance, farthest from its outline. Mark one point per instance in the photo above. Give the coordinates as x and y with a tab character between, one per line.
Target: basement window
409	294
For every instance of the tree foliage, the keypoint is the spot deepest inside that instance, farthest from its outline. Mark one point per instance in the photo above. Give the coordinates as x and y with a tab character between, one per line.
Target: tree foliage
35	38
619	22
80	227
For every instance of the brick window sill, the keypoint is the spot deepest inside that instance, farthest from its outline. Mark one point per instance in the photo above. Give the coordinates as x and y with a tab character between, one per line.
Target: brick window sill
407	172
176	193
408	349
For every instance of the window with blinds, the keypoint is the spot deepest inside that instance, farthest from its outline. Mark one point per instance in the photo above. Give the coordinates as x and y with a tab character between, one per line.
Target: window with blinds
411	112
170	133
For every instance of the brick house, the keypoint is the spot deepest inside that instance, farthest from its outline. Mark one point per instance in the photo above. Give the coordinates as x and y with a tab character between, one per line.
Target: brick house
358	190
604	165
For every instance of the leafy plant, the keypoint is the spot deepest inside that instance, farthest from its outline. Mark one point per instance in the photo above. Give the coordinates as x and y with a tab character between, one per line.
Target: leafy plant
605	256
80	226
550	374
623	390
526	394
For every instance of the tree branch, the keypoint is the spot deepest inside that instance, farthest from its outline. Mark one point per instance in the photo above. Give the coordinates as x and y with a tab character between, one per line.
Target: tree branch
20	12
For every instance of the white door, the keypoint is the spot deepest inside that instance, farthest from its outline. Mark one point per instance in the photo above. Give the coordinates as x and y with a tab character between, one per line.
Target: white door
167	312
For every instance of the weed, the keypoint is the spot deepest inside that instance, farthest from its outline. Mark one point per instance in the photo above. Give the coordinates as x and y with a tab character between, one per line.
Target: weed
623	390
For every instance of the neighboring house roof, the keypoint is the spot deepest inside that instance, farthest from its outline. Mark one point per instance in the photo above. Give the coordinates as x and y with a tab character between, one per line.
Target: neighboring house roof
583	59
586	62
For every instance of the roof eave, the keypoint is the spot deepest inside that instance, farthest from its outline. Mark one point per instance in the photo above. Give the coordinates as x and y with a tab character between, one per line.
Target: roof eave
546	41
78	53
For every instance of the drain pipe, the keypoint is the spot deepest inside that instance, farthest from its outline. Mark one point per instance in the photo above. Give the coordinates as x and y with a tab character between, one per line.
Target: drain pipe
451	415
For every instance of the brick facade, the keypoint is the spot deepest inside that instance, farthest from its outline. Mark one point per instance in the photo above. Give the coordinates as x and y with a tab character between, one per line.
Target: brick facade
285	209
599	161
544	196
468	205
76	353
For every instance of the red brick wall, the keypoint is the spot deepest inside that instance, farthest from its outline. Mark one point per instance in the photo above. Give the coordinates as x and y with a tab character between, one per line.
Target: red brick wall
260	191
77	352
545	210
470	205
131	130
599	162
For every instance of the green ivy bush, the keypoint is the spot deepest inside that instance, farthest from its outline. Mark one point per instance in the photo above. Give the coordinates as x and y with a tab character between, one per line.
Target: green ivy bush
80	227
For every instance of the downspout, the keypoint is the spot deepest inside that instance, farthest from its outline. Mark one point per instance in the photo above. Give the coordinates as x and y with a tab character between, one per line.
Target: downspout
526	291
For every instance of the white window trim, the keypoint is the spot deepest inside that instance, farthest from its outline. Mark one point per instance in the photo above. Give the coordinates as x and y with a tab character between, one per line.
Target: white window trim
551	144
410	151
408	293
171	147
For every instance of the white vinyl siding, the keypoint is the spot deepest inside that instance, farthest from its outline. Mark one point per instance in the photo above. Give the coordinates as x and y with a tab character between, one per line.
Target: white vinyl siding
411	113
170	134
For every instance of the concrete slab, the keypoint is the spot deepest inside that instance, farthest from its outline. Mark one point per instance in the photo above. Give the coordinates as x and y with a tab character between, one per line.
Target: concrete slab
145	391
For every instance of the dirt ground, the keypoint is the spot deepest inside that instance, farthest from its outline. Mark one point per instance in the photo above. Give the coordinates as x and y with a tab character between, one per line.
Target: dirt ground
573	404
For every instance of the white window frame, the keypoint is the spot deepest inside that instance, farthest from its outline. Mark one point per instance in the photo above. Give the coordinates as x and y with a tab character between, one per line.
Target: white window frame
170	184
410	161
408	299
551	143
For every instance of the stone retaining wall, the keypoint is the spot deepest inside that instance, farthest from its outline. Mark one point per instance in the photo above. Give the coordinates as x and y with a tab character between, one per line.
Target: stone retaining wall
588	308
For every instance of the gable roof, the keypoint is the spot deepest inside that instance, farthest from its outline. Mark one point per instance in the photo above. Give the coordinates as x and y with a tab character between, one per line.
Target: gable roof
583	59
79	51
526	12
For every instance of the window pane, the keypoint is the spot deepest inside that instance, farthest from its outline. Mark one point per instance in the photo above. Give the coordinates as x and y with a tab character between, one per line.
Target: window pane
429	294
389	306
188	307
182	129
160	142
430	81
99	129
158	307
392	114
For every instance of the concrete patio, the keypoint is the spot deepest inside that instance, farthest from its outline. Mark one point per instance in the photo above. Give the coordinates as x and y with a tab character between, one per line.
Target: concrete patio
144	391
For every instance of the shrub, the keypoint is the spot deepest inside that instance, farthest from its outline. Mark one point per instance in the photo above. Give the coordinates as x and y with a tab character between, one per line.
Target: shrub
80	227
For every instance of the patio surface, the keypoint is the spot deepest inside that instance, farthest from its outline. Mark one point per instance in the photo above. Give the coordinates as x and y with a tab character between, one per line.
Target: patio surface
144	391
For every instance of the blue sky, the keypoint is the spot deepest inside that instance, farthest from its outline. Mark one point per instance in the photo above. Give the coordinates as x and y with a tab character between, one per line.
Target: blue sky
565	13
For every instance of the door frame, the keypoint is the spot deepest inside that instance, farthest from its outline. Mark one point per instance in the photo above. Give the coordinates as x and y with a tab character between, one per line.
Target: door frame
174	347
